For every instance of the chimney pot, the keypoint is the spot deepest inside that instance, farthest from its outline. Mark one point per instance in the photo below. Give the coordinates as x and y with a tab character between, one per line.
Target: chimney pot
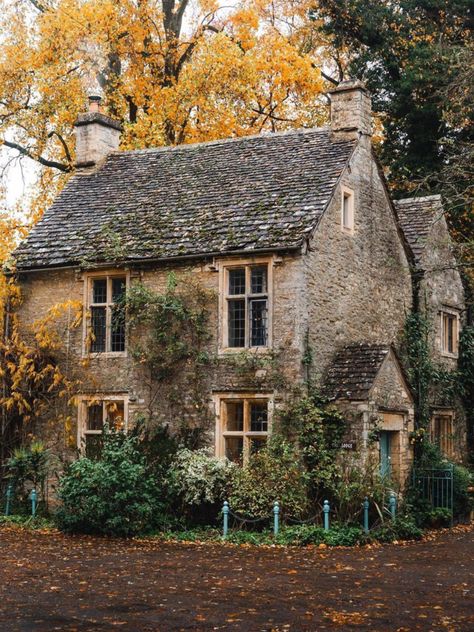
95	103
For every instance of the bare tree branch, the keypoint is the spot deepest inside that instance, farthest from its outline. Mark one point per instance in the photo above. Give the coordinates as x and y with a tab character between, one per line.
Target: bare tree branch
63	143
43	161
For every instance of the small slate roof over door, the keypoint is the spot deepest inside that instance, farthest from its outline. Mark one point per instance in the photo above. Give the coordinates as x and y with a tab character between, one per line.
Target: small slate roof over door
354	370
249	194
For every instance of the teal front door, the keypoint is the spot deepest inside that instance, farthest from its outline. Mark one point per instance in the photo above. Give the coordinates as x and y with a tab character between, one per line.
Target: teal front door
385	465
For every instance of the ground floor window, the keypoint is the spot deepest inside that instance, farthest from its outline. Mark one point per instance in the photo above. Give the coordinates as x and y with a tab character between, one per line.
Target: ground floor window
94	412
442	432
243	426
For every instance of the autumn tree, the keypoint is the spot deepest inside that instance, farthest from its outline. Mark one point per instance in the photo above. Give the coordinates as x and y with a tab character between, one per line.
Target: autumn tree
172	71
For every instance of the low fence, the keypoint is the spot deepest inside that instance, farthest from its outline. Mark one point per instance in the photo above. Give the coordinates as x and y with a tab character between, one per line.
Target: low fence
274	516
9	497
436	485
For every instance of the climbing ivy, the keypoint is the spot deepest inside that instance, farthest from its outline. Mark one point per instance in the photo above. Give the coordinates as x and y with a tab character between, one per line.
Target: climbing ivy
168	333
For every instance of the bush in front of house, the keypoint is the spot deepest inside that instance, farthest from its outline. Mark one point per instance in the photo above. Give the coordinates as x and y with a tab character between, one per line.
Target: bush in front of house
199	483
402	528
273	473
114	495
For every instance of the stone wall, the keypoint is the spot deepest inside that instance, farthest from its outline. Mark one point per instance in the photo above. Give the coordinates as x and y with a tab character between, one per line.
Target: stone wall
359	285
251	371
441	288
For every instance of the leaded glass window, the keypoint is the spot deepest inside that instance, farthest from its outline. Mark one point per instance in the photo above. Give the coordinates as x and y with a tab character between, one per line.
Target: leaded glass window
247	306
107	316
244	426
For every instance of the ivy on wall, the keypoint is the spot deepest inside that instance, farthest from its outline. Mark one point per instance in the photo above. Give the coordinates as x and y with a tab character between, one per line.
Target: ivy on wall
432	382
169	335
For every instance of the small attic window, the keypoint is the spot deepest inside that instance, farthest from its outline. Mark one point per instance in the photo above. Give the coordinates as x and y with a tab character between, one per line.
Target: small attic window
347	210
449	332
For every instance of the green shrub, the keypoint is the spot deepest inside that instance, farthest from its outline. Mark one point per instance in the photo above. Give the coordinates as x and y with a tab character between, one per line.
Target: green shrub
273	473
344	535
114	495
199	483
28	468
438	518
301	535
403	528
318	430
462	500
250	537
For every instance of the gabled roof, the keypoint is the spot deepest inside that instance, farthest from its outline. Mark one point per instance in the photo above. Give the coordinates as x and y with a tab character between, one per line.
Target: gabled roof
354	370
249	194
416	217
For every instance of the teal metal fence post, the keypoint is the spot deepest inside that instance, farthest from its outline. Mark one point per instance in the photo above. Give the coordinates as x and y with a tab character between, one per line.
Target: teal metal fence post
276	512
393	505
33	502
366	514
9	498
326	510
225	513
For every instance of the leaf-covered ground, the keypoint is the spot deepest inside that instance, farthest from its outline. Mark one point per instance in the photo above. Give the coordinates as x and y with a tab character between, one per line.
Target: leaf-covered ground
54	582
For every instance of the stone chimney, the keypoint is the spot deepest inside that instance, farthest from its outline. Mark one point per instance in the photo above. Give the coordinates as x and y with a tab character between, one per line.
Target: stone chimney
351	110
96	135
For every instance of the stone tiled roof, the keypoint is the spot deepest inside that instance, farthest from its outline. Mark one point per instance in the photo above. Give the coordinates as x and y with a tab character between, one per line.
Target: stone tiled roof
249	194
416	217
353	371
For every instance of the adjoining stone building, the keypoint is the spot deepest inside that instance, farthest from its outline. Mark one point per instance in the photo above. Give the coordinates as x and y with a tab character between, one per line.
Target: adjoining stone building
439	293
296	235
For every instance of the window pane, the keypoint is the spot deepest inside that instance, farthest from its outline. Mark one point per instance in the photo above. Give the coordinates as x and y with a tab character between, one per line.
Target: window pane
115	414
259	417
450	334
346	212
237	323
95	417
118	289
234	447
117	342
235	416
258	323
99	291
256	444
258	280
237	281
98	327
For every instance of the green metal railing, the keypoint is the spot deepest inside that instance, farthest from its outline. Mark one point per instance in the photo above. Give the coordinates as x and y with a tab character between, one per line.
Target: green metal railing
436	486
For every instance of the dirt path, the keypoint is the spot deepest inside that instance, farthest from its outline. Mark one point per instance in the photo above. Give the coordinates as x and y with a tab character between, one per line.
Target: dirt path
53	582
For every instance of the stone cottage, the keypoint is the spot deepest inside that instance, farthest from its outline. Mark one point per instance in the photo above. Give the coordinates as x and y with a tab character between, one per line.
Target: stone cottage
297	237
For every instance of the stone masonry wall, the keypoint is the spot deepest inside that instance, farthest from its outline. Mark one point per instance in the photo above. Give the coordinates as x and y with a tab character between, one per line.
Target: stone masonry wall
238	372
359	286
441	288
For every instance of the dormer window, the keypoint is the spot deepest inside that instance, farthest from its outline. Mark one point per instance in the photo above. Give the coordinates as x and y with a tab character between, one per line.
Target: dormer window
347	210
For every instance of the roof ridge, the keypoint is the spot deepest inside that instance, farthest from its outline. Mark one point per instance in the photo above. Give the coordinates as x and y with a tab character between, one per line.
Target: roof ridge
421	198
222	141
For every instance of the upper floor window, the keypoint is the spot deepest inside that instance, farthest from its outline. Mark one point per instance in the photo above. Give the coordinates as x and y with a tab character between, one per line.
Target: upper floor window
246	306
244	427
347	210
449	332
94	412
107	318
